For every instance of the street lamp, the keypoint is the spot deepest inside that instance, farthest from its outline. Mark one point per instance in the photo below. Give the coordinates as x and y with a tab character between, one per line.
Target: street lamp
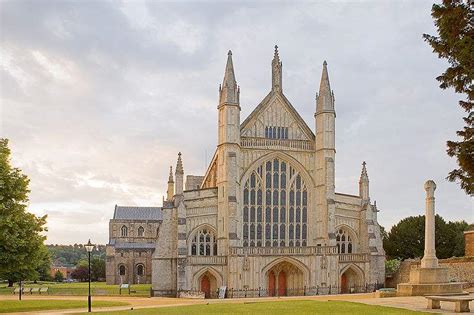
89	247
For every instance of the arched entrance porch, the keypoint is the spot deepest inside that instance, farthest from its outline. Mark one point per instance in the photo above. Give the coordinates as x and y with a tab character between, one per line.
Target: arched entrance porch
207	280
284	279
351	280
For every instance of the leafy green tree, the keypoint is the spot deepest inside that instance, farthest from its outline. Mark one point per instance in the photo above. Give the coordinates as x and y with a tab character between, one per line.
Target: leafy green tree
44	267
58	276
454	22
406	239
97	269
21	239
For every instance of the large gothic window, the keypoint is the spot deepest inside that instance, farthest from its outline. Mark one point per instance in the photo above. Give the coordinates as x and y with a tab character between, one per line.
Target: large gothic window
343	242
203	243
275	206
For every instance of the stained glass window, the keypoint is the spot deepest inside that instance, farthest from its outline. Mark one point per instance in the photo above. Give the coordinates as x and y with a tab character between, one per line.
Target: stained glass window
275	205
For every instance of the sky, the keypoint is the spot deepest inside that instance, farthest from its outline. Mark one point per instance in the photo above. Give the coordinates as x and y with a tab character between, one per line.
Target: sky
98	97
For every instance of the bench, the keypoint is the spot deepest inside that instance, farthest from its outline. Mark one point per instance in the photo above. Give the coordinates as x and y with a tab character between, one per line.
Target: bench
44	290
461	302
26	290
17	290
35	290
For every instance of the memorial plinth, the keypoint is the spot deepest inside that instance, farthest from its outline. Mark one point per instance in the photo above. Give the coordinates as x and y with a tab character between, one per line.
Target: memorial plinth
429	278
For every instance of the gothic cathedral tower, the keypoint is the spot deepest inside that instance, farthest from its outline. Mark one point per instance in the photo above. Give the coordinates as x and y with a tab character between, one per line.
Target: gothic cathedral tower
228	154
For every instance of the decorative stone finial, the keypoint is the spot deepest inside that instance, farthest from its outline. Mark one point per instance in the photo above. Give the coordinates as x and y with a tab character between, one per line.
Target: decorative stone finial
276	71
179	165
229	53
325	63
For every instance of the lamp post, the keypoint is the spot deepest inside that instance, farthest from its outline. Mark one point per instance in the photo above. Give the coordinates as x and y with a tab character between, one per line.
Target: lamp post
89	247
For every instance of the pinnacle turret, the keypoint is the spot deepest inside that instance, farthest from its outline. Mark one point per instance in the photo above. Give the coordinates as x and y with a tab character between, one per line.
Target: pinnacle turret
276	71
229	91
170	178
325	97
363	173
179	165
364	183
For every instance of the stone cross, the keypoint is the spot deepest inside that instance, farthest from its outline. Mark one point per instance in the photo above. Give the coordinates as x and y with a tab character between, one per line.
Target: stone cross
429	259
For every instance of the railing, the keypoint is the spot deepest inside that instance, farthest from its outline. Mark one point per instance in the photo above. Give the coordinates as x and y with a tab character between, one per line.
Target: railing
250	142
275	251
304	291
207	260
353	257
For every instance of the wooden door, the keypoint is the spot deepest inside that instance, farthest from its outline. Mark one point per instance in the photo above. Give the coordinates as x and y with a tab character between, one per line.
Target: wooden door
271	284
282	284
344	288
206	286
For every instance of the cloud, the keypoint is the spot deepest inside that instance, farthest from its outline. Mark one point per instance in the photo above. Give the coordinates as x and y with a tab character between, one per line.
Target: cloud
98	97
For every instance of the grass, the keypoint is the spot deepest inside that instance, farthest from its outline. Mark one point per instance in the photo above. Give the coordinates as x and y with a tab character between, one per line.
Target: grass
273	308
8	306
81	288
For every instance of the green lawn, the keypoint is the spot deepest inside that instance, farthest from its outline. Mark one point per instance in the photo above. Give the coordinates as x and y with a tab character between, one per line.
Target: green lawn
42	305
81	288
274	308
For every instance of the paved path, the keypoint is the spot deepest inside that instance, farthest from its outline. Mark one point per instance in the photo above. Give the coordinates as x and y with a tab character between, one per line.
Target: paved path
411	303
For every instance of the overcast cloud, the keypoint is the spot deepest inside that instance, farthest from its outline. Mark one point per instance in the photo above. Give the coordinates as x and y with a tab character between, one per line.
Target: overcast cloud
98	97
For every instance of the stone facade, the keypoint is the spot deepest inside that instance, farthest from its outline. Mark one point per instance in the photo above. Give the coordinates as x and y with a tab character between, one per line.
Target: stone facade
132	237
266	214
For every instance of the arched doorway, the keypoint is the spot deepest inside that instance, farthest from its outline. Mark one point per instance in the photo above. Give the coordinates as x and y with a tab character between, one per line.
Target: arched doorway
208	285
351	280
285	279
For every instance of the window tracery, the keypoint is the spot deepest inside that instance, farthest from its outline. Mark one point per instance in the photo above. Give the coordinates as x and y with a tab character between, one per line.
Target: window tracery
204	243
124	231
275	204
343	242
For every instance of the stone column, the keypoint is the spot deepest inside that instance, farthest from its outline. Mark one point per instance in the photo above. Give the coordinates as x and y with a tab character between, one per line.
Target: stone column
429	259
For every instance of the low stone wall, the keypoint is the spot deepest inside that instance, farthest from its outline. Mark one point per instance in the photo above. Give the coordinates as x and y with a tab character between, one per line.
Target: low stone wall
460	269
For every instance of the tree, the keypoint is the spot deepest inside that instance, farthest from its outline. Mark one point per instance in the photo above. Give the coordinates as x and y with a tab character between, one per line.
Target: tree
21	239
97	269
58	276
453	19
406	239
44	267
81	273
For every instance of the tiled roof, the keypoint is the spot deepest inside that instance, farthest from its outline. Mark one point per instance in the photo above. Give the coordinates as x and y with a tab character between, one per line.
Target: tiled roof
137	213
135	245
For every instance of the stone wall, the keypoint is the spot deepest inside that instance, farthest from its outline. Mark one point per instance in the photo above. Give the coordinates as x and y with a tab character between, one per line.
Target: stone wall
459	269
469	243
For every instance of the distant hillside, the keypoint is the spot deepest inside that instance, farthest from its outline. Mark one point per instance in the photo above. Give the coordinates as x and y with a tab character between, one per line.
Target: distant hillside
70	255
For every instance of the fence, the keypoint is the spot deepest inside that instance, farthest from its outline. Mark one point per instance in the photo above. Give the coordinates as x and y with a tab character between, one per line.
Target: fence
305	291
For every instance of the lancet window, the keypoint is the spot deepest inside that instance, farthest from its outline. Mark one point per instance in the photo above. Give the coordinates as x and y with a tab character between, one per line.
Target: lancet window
276	132
204	243
343	242
275	206
124	231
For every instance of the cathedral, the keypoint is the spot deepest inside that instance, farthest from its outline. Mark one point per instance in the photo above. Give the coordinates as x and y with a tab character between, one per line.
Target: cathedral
266	217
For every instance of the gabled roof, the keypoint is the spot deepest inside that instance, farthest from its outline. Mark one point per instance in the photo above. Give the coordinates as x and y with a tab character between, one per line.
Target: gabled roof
266	101
137	213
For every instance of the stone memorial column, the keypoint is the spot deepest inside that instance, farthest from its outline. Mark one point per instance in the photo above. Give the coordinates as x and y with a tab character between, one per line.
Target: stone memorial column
429	259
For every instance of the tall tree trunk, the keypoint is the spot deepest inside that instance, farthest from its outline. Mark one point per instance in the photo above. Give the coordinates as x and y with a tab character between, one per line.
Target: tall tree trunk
10	283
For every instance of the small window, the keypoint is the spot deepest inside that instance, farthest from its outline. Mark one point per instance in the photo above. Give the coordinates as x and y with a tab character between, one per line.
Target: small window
122	270
140	270
124	231
141	231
